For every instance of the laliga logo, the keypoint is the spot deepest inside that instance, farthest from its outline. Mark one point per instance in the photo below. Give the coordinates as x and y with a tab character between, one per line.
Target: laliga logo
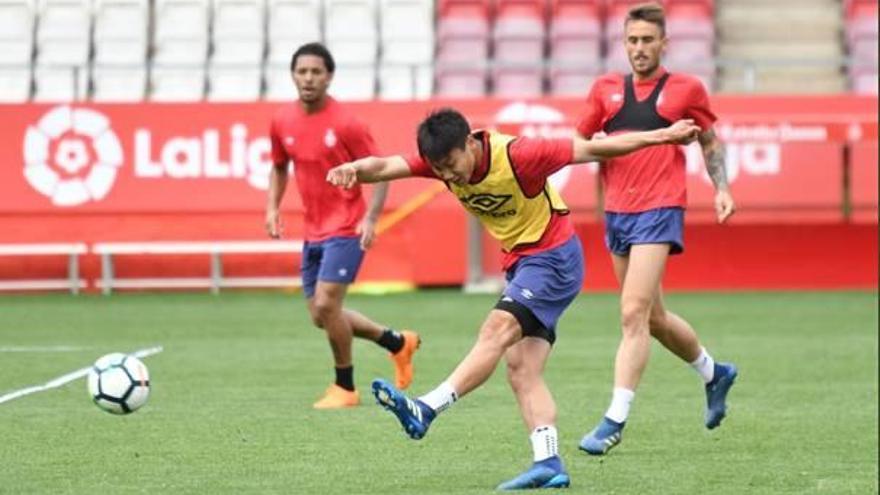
71	156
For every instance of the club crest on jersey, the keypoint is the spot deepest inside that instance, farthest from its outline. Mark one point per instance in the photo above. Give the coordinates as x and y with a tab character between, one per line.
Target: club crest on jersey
488	204
330	138
616	97
289	140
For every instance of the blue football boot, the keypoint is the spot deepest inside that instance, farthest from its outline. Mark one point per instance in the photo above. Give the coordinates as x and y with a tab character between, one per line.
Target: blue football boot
603	437
716	393
414	415
549	473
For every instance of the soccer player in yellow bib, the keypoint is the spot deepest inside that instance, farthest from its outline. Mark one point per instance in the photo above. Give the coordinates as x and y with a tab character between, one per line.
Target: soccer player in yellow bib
503	181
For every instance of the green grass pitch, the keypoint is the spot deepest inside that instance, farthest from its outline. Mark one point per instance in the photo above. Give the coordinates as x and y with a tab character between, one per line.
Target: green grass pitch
230	410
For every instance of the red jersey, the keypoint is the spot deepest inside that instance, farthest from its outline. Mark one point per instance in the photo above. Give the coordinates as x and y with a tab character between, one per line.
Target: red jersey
316	143
532	161
652	177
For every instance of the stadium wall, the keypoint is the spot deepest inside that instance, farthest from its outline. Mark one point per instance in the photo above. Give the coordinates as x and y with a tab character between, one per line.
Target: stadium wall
804	172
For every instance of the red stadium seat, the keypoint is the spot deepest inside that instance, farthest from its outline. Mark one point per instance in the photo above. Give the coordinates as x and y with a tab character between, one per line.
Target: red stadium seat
572	81
460	82
519	31
518	82
575	36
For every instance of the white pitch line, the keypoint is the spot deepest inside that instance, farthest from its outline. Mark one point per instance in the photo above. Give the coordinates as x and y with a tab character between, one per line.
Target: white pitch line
69	377
45	348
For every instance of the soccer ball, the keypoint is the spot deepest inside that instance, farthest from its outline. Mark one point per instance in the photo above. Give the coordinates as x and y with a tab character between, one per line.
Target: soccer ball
119	383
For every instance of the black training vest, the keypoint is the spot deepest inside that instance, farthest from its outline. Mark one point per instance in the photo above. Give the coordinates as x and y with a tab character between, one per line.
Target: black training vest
637	115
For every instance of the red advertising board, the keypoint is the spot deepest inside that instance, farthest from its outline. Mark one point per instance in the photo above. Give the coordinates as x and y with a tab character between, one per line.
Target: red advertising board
214	157
199	171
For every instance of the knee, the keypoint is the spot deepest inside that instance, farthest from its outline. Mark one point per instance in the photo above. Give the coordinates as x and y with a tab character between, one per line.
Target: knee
323	310
634	315
516	374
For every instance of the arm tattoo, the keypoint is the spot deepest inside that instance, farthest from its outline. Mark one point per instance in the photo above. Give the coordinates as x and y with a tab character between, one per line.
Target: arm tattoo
713	154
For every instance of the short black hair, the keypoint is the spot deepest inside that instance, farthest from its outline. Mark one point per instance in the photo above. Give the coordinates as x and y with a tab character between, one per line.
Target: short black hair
316	49
442	131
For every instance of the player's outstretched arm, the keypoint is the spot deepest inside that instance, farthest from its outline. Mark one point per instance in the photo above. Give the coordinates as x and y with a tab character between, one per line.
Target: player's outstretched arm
369	169
682	132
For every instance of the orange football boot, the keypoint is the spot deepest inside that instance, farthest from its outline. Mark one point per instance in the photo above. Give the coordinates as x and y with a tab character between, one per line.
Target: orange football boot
337	397
402	359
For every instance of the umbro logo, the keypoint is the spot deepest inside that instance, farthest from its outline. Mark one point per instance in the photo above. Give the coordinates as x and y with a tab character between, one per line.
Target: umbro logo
485	203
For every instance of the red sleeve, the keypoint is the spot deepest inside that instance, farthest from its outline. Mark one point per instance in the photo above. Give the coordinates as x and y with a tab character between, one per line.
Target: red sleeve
279	154
698	108
359	140
418	167
535	159
590	121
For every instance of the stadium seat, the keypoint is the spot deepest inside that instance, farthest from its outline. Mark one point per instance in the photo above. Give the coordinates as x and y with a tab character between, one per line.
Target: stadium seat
121	28
17	19
405	83
180	32
279	85
238	31
519	31
518	82
407	31
292	23
352	30
354	82
568	81
575	41
64	32
231	83
463	31
119	84
865	82
15	84
460	82
175	83
60	84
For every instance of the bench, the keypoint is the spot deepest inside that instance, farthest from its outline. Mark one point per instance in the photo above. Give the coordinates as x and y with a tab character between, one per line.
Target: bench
72	282
215	249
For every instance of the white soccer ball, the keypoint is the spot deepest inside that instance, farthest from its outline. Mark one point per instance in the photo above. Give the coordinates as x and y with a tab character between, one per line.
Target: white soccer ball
119	383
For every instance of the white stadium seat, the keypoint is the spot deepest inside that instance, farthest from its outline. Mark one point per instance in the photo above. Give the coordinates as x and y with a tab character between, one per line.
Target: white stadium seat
238	33
15	84
354	82
113	83
173	83
231	83
58	84
407	31
63	32
180	31
405	82
17	32
292	23
121	28
351	30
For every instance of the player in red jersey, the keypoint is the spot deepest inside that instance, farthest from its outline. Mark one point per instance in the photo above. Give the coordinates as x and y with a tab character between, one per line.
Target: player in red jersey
316	134
644	214
503	181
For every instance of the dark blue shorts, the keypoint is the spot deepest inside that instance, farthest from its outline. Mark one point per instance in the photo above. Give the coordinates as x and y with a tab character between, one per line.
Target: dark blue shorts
336	259
546	283
660	226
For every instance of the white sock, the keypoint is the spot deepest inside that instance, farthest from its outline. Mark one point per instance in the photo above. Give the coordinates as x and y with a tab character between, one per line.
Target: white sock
704	365
544	442
440	398
621	399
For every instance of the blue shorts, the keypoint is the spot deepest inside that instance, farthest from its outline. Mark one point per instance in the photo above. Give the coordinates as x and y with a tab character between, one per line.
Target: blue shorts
336	259
546	283
660	226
